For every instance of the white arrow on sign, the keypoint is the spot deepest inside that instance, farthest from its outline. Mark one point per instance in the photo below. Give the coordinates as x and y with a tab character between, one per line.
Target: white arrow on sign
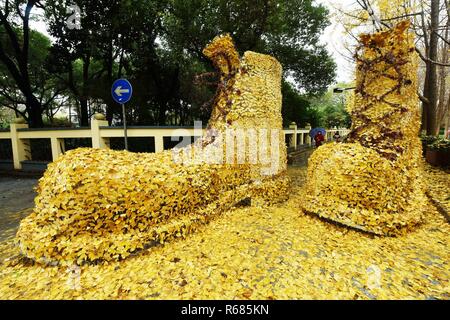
118	91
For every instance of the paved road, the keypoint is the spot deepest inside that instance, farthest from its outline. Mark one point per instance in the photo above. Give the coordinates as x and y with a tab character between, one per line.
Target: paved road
16	201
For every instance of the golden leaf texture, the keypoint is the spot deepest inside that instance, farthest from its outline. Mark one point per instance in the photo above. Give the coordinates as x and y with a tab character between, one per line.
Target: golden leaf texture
270	252
374	181
102	205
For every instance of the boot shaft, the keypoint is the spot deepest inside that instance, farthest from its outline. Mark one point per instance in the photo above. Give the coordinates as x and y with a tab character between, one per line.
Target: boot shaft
246	117
385	113
249	90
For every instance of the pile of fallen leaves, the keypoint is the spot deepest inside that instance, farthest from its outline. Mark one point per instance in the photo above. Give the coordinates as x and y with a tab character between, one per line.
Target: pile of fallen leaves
273	252
103	205
374	181
438	186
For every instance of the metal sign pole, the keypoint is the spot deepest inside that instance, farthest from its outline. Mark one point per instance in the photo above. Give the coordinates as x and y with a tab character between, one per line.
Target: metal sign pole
122	91
125	126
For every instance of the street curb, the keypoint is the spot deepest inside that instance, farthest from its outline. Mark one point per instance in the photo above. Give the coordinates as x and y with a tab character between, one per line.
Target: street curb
21	174
438	206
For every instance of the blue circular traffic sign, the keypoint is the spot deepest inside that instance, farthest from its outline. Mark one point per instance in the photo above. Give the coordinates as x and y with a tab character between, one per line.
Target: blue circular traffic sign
121	91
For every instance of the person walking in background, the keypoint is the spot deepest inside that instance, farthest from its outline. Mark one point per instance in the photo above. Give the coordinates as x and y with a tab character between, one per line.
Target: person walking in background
319	138
337	137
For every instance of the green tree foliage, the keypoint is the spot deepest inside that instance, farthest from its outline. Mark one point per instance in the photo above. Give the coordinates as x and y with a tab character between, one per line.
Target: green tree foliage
81	57
45	88
331	108
6	116
288	30
15	55
297	108
157	45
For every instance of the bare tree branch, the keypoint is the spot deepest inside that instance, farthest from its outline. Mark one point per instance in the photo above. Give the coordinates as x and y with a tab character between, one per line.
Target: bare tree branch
423	99
425	59
403	16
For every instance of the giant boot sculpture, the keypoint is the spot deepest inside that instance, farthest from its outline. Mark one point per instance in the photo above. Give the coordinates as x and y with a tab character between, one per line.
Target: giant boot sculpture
100	204
373	181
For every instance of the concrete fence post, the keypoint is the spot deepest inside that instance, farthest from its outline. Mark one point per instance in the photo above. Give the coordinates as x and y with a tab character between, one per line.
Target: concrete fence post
58	147
20	147
308	138
293	141
159	143
98	141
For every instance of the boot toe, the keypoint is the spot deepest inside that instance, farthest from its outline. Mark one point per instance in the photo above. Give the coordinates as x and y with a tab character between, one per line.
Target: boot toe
355	186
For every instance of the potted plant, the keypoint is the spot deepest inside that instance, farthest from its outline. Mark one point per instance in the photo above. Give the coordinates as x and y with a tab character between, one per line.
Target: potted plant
426	141
438	152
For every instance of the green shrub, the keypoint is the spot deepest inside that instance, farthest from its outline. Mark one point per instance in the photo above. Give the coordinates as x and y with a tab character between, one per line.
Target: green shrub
440	145
427	140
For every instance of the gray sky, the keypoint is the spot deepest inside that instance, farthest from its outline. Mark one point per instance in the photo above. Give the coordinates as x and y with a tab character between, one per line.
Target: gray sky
333	37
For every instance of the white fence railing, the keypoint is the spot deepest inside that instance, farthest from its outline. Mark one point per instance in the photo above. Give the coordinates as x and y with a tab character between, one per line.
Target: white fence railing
100	133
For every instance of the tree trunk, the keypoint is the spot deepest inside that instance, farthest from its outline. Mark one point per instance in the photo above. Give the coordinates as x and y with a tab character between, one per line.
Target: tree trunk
109	113
168	95
447	123
442	105
447	119
432	83
84	116
425	106
34	111
109	101
162	104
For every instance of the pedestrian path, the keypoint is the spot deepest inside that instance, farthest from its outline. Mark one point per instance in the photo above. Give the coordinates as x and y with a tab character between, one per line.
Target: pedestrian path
255	253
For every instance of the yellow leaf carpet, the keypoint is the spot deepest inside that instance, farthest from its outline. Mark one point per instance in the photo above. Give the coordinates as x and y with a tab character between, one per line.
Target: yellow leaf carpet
273	252
266	251
101	204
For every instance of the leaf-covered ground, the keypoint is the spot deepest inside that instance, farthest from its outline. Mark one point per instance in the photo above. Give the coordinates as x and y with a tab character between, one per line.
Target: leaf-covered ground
258	253
439	186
